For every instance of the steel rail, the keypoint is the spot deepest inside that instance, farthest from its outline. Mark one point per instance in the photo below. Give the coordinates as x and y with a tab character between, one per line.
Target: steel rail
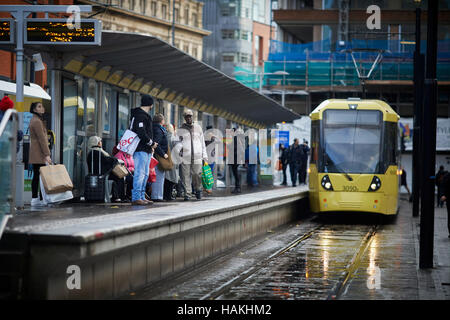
244	275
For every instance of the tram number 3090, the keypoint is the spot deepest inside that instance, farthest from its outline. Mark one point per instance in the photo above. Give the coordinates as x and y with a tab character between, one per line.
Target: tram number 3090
350	189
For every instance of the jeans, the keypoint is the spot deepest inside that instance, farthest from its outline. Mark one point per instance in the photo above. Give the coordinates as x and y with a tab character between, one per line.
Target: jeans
158	185
252	176
141	172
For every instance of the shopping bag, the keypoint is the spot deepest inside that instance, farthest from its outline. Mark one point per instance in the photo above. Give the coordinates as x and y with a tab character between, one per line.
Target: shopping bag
55	197
55	178
207	177
152	173
278	165
129	141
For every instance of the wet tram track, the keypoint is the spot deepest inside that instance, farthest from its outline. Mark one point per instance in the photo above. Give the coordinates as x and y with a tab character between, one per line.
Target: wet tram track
237	287
310	259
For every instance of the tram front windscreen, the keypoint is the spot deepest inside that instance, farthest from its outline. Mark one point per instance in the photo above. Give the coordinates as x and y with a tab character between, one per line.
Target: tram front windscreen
352	141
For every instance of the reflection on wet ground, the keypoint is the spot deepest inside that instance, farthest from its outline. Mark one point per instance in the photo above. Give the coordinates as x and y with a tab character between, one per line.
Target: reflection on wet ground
383	267
308	271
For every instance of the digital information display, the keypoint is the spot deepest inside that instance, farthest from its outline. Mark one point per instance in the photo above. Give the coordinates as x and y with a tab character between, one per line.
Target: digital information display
57	31
6	31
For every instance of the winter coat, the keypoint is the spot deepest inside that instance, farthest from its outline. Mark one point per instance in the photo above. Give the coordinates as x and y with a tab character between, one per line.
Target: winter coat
106	162
172	175
160	136
127	159
38	141
192	137
295	154
143	127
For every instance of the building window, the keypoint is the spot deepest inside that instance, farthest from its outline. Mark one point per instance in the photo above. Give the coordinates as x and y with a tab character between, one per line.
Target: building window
132	4
177	15
244	58
228	57
245	35
142	4
195	52
186	15
153	8
228	34
164	11
195	20
186	48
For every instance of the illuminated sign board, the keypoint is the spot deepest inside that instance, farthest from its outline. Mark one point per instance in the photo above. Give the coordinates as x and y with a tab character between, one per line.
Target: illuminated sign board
6	31
58	31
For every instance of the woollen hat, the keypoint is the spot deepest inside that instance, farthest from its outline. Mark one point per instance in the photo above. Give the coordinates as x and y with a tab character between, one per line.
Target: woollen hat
6	103
146	101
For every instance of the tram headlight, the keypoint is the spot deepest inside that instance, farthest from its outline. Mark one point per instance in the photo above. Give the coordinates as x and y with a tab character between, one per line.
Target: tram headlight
326	183
375	184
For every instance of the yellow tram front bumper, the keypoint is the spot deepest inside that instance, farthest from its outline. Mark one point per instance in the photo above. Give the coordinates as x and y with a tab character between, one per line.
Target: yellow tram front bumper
375	202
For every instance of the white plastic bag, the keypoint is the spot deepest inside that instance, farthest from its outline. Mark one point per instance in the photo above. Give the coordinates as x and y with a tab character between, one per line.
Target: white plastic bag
129	141
54	198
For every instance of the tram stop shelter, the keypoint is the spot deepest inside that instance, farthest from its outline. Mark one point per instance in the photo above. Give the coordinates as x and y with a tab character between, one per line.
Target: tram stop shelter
110	77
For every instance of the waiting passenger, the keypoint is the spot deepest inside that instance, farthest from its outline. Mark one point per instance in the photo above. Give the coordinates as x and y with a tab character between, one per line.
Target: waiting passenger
161	153
39	154
102	165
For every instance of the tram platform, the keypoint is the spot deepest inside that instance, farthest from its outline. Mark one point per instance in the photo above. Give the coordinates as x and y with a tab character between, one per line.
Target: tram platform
390	268
119	248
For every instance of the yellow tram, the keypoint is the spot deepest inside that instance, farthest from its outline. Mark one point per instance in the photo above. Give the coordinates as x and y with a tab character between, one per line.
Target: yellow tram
354	163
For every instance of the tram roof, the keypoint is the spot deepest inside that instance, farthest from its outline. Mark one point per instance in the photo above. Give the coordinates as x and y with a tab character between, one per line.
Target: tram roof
149	65
361	104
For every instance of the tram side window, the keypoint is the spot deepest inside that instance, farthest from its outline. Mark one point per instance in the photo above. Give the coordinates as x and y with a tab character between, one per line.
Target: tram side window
315	130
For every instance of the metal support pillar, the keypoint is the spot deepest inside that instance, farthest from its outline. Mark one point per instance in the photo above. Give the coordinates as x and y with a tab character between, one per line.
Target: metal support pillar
429	136
419	64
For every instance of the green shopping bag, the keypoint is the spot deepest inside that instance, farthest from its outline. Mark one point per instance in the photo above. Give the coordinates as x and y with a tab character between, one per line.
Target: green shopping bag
207	177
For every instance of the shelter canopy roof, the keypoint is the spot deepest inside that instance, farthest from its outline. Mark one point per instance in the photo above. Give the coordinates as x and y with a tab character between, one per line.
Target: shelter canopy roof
149	65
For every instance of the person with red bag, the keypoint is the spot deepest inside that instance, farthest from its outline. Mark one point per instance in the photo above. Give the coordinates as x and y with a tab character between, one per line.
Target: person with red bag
151	176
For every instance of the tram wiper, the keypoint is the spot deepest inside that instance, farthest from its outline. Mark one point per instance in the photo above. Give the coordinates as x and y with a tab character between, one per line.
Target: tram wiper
347	176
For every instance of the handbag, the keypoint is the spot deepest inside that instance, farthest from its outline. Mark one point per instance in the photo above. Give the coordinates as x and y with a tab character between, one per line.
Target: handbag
120	171
129	141
207	177
165	164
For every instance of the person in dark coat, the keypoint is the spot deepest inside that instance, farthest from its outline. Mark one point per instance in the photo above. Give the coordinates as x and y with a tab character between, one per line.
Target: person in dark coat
295	160
238	158
439	177
404	183
142	126
284	157
304	164
159	136
446	197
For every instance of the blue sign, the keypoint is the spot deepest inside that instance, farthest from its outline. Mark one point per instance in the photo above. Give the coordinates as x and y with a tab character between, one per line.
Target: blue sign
283	138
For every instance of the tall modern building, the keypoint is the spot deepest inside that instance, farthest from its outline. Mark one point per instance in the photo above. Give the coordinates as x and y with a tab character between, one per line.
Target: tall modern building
315	36
240	33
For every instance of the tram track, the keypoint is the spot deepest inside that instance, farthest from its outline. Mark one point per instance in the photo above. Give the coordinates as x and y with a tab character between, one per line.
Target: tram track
246	274
337	290
353	266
